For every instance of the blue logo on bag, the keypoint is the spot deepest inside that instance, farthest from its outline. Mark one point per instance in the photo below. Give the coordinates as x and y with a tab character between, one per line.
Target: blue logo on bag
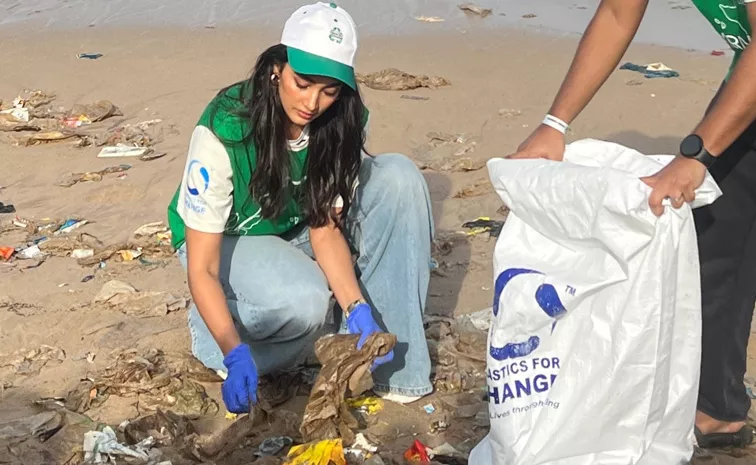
196	167
547	298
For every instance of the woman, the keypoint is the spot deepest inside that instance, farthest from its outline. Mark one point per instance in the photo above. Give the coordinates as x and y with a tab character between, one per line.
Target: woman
277	188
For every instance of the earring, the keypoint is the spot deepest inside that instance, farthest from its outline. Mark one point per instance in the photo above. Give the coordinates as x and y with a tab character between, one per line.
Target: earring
274	78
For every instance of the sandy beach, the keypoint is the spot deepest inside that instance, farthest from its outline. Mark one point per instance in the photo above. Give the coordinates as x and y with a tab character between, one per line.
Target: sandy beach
503	80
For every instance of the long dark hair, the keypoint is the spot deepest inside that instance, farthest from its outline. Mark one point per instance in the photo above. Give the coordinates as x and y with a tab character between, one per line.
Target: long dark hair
334	149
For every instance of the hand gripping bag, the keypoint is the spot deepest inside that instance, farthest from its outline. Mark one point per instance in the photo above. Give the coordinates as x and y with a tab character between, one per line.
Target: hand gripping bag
594	346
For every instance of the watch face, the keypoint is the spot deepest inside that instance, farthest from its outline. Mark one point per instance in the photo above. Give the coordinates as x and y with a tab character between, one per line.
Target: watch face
691	146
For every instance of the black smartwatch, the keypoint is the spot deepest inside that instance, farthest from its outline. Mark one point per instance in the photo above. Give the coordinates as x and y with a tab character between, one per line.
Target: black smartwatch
693	147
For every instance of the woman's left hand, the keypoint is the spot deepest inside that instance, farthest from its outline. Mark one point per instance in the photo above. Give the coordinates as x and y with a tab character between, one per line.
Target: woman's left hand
360	321
677	181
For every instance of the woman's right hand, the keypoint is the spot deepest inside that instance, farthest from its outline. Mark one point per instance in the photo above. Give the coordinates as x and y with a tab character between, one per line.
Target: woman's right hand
240	387
545	142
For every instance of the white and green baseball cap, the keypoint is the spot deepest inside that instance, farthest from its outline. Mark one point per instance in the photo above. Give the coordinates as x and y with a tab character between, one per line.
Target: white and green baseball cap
321	40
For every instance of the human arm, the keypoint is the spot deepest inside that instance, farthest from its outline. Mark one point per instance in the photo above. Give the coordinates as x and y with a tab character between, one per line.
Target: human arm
731	114
335	259
604	43
204	204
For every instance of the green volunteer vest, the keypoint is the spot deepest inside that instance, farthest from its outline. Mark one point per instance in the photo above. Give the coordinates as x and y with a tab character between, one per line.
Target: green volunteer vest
245	219
730	19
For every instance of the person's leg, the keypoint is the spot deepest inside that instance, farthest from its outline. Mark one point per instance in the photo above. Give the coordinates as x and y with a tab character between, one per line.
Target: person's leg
391	226
277	295
727	250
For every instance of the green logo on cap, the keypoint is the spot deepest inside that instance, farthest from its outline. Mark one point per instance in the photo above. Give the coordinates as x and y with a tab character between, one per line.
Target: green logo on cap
336	35
333	5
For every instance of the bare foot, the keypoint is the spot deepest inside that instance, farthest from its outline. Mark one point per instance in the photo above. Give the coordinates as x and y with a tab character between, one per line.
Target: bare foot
709	425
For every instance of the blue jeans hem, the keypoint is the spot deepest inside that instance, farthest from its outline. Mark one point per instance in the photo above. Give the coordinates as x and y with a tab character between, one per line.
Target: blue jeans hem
421	391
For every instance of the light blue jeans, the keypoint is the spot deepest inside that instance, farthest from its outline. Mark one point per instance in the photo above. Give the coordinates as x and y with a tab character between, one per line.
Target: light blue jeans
279	297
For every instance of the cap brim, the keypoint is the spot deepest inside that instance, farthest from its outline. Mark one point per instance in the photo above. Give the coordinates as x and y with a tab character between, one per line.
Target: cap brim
307	63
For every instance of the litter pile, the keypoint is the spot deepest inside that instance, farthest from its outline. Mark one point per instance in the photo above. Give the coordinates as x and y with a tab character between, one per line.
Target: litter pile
458	352
32	120
394	79
448	153
50	237
122	297
154	382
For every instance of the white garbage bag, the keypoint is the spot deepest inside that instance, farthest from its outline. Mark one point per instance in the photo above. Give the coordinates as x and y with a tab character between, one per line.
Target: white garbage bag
594	346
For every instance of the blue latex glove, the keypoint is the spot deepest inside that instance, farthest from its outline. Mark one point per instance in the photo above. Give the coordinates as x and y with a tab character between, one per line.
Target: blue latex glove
241	383
360	321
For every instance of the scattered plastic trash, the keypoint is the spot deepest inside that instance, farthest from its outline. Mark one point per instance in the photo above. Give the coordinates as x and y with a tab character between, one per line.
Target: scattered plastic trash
231	416
129	255
318	453
70	225
439	426
653	70
273	446
30	253
89	56
74	122
509	112
345	372
20	115
484	224
124	151
167	428
38	138
453	164
87	278
417	453
480	319
476	189
97	111
42	425
82	253
6	252
429	409
414	97
368	404
89	357
123	297
394	79
31	361
717	53
102	446
471	9
430	19
361	446
93	176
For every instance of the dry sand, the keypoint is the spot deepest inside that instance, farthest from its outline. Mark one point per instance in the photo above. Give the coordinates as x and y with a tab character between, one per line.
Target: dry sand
172	74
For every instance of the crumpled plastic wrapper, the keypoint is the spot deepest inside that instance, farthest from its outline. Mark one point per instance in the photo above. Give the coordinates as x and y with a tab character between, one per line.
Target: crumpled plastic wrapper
458	353
126	299
345	372
31	361
103	446
394	79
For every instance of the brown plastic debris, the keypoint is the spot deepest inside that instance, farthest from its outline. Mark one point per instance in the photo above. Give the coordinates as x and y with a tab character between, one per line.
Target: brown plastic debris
476	189
218	445
98	111
143	134
394	79
167	428
147	377
453	164
471	9
31	361
94	176
458	354
345	372
441	138
42	138
42	425
124	298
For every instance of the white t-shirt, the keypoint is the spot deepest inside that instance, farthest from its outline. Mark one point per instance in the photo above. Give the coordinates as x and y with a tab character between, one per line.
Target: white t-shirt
206	193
